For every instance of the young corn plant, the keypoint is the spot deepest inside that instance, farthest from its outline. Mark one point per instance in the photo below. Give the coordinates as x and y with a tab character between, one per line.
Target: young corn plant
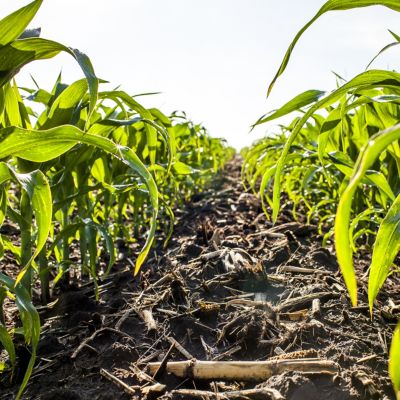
357	150
89	170
22	148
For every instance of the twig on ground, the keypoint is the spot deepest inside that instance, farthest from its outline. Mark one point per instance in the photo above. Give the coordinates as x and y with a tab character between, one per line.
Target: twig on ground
128	389
227	353
179	347
85	342
304	301
266	393
161	365
301	270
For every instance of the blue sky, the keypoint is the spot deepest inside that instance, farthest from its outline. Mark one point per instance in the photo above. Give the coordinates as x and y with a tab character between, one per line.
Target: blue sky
211	58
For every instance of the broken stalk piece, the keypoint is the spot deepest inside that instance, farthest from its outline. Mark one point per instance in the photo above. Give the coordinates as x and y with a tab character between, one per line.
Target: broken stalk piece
244	370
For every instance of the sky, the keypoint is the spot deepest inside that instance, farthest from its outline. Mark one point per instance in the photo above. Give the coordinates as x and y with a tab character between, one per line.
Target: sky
212	59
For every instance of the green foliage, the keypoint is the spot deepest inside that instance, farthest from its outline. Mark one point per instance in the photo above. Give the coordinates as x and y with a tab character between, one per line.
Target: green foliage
394	361
87	169
30	323
344	150
331	5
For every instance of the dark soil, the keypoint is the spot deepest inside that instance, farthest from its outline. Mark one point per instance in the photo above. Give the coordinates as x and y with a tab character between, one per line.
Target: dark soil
229	287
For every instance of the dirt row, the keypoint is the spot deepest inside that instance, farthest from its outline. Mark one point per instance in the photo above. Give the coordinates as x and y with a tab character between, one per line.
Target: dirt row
230	287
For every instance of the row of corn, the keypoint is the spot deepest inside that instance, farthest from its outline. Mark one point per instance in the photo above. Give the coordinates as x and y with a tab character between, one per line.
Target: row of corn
82	170
338	165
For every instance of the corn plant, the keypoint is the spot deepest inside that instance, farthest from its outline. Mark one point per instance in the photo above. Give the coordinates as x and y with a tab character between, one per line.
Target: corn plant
90	167
355	151
394	361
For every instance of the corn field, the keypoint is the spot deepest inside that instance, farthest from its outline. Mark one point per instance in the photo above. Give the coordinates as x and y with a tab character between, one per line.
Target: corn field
86	173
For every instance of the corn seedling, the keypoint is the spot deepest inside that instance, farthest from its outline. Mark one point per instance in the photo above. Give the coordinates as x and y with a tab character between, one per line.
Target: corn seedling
84	171
343	149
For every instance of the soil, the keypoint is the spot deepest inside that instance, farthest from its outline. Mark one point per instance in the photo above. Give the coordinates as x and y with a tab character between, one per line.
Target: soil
228	287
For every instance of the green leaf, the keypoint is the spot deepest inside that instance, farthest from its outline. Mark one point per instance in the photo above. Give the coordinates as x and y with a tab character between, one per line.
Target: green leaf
37	187
394	361
88	70
386	248
30	322
68	232
107	239
331	5
6	341
345	165
41	146
301	100
98	170
363	81
376	145
12	26
21	52
385	48
181	168
64	106
397	37
41	96
133	161
3	205
144	113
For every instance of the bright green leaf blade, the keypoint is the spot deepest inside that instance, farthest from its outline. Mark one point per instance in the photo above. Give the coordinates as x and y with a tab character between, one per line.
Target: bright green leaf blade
12	26
38	189
42	206
394	361
41	96
144	113
21	52
377	144
30	322
366	80
386	248
331	5
107	239
63	107
88	70
3	205
345	165
301	100
38	146
133	161
397	37
41	146
385	48
181	168
6	341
